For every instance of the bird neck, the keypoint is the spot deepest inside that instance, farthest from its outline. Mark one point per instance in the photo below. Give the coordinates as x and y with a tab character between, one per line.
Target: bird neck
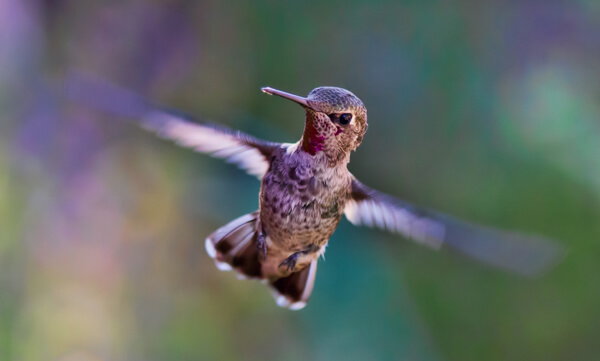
313	141
320	138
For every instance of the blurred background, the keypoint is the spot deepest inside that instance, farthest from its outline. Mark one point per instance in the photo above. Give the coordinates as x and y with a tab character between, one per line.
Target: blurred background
489	111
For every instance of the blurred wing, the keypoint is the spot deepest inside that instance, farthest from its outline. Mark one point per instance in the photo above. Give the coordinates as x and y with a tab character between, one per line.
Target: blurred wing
236	147
527	255
248	153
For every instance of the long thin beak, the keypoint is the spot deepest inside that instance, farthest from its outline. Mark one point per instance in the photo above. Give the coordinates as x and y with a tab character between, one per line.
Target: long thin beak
297	99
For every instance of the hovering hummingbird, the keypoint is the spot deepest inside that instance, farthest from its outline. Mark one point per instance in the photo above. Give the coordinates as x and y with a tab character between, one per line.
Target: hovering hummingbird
306	188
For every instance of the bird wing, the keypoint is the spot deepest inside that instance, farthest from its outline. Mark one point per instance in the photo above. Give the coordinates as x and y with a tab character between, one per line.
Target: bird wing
249	153
524	254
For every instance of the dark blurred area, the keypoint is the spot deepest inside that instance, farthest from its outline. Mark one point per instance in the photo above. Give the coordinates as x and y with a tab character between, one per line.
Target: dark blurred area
489	111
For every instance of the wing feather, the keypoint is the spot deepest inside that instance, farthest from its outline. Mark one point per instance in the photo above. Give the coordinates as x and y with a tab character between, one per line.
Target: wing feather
525	254
251	154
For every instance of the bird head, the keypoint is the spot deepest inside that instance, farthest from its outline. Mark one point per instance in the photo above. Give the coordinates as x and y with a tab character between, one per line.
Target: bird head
336	121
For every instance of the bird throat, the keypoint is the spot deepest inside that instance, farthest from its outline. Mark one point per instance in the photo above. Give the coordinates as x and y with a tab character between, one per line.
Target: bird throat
313	143
316	131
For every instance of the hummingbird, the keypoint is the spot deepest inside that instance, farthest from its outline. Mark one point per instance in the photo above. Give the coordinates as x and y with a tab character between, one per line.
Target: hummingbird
306	189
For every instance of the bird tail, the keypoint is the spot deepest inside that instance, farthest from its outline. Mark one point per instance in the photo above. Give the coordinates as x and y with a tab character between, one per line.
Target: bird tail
294	290
234	247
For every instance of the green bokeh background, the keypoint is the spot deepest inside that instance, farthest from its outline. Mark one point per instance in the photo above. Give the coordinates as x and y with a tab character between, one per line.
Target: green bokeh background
489	111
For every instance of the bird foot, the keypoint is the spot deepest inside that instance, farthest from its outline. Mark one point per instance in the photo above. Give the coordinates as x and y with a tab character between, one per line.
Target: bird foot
290	262
261	244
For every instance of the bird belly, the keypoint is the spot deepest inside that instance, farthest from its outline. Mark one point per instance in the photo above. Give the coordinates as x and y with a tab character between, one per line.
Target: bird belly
295	223
302	200
272	265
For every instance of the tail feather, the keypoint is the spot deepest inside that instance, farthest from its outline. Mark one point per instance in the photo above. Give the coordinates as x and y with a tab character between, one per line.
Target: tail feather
247	261
234	246
234	243
294	290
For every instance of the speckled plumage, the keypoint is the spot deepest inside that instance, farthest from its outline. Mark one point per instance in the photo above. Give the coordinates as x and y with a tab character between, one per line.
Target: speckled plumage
305	190
302	200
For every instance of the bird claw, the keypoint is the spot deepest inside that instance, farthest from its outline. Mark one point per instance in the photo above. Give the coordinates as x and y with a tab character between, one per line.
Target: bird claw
290	262
261	244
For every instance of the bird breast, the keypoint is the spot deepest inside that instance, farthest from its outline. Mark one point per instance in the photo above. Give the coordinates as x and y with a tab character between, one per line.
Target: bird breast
302	200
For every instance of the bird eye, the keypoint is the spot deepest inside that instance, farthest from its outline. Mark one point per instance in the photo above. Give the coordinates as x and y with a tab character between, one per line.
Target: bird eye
345	118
